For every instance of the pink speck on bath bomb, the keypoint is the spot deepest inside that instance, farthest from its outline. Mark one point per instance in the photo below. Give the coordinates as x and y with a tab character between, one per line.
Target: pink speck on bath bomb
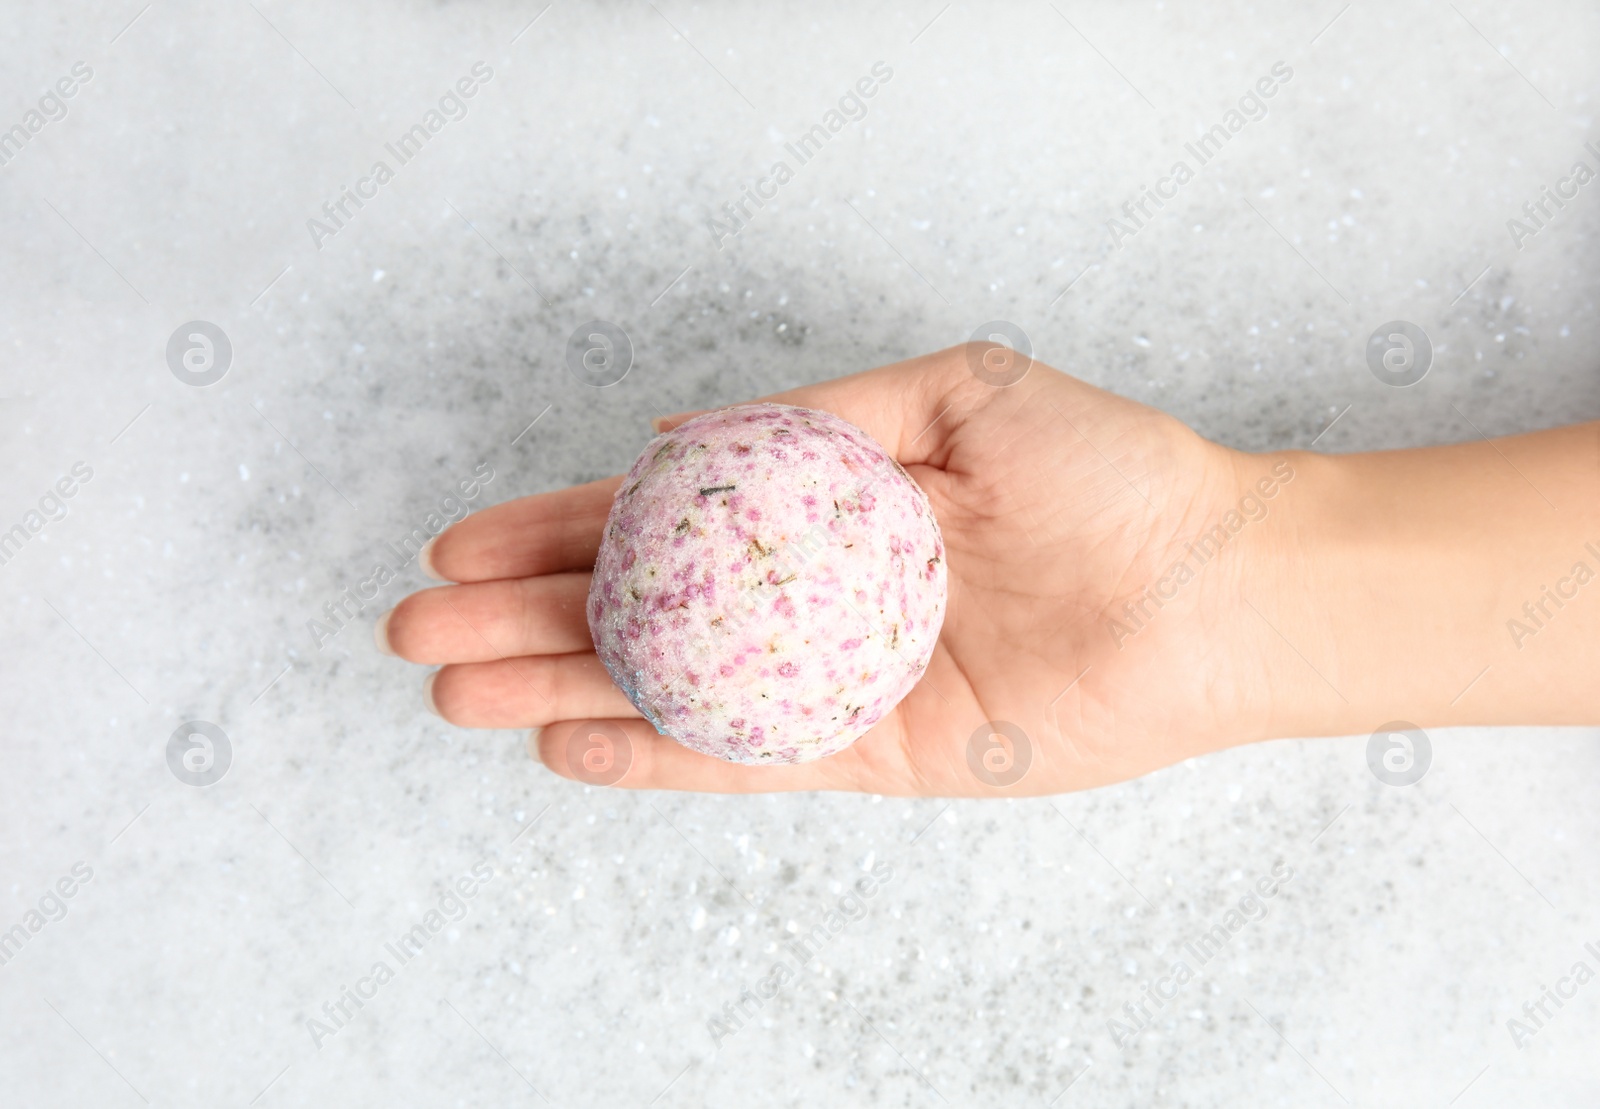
770	583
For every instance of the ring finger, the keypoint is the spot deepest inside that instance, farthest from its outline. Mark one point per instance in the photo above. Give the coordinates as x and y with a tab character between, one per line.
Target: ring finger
525	692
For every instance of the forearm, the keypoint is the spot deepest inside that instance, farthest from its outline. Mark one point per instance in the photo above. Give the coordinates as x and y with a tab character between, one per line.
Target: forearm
1442	585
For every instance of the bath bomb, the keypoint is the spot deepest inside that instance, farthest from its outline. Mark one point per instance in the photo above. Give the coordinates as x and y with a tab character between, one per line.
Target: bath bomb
770	583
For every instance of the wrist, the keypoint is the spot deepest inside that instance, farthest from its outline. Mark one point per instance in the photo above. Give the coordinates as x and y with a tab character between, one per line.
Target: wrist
1271	622
1306	607
1392	586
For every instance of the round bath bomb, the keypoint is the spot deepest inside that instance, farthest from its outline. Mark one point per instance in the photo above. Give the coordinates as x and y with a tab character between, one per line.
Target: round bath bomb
770	583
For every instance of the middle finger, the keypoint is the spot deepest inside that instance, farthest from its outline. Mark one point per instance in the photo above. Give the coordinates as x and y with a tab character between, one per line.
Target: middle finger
490	620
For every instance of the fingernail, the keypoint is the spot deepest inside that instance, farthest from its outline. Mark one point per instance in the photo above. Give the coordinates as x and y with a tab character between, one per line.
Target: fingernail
677	419
380	633
533	744
427	693
425	560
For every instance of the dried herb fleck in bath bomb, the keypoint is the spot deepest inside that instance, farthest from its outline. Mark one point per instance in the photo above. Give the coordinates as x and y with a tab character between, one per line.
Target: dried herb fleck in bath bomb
770	583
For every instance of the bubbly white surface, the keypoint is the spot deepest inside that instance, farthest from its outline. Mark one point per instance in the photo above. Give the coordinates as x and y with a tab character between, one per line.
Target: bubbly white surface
375	373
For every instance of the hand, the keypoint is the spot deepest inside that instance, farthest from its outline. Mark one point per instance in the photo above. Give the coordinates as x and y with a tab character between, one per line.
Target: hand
1057	501
1122	591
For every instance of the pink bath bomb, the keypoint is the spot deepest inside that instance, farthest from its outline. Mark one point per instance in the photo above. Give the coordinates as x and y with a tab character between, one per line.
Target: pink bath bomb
770	583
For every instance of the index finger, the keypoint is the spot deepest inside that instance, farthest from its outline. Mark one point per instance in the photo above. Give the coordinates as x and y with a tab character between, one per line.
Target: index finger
547	533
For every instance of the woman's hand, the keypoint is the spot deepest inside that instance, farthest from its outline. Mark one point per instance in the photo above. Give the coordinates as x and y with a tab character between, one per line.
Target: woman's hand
1058	503
1123	595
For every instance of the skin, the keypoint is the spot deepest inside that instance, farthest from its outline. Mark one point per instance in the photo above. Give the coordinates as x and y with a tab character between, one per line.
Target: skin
1367	588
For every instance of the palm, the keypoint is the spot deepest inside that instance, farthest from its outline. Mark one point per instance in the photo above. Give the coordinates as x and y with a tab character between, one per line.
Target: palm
1057	502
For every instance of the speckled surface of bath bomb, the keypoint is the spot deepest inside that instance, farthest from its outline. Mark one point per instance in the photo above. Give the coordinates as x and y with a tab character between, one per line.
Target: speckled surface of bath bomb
770	583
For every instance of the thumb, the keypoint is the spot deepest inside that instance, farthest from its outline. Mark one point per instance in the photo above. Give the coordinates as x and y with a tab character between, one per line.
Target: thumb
895	404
